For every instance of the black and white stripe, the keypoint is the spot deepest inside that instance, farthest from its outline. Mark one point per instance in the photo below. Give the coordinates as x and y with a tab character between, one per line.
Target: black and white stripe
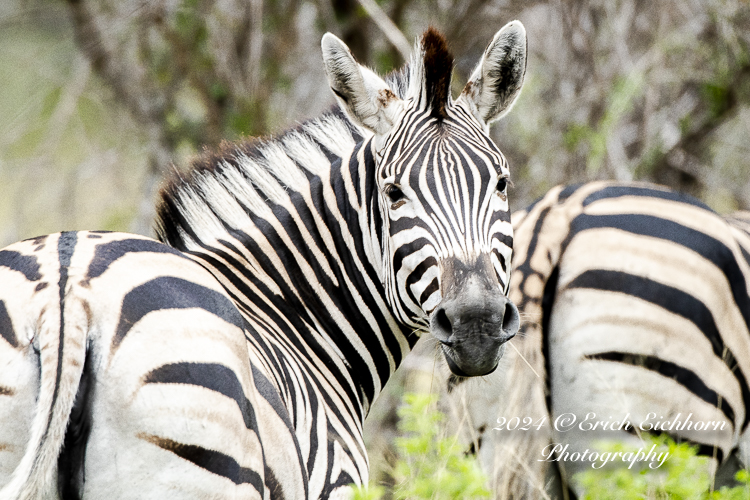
636	302
84	315
241	360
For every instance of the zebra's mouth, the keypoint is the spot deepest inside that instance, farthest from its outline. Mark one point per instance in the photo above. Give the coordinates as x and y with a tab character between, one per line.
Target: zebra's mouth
456	370
472	327
474	318
470	361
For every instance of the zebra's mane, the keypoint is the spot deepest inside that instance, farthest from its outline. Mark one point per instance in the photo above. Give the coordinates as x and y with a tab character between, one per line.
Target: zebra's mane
224	188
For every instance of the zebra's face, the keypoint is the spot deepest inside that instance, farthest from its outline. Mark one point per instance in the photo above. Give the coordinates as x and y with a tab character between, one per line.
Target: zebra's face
447	238
440	211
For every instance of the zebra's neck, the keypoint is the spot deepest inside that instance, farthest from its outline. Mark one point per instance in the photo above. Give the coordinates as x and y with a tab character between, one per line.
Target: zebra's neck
300	259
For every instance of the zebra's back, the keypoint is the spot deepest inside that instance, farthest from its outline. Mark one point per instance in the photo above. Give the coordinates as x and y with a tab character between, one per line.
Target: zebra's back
124	331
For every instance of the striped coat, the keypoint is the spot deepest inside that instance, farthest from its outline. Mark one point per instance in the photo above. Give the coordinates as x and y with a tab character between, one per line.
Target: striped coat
636	306
240	360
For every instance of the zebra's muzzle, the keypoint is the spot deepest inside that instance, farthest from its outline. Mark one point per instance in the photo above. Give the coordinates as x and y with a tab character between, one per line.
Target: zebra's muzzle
472	328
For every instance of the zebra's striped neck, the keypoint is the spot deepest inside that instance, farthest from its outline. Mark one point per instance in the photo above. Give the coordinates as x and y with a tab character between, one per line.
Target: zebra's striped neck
290	228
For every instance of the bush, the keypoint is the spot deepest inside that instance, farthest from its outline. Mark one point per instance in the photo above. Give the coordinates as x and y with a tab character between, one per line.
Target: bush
684	476
430	465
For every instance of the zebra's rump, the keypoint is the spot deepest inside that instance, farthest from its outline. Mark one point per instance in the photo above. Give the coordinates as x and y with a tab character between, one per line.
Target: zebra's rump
648	320
145	354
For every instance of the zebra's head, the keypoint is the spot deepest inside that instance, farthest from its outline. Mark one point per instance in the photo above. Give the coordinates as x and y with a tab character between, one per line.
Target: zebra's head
437	185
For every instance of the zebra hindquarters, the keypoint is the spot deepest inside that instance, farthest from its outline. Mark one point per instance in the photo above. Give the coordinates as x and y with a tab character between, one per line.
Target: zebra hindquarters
171	400
19	389
644	330
19	363
42	349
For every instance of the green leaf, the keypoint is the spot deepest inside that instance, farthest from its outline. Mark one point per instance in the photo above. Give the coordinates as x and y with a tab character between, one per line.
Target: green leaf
430	465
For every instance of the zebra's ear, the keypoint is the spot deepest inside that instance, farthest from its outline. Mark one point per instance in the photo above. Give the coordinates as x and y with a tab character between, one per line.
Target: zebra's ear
362	94
496	81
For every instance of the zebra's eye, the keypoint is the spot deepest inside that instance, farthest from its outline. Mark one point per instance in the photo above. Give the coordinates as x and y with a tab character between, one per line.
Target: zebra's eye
502	183
395	195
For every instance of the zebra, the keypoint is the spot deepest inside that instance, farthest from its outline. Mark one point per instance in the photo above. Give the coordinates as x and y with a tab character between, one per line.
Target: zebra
71	306
636	307
239	356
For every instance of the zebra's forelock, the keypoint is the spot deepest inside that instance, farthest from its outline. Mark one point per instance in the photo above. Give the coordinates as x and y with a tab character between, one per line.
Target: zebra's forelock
438	68
430	72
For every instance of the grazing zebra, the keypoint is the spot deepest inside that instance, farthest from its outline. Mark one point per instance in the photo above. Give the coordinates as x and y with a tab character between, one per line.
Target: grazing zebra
319	255
636	305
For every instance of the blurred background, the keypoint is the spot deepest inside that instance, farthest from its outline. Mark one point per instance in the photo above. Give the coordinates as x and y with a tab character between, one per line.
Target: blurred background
99	98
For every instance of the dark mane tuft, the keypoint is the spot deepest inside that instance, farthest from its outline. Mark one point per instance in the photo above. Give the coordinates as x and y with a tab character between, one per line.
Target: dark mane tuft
438	68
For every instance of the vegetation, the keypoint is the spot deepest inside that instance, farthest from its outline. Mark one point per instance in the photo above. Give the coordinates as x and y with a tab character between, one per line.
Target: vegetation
684	476
430	465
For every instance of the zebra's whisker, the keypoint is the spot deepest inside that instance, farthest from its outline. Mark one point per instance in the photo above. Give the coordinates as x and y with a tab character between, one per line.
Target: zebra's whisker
510	342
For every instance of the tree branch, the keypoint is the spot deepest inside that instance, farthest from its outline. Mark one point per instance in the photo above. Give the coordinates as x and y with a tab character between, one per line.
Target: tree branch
389	29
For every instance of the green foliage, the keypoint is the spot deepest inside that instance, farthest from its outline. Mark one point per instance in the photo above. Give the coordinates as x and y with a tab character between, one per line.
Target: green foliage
650	161
430	465
50	101
70	156
684	476
741	492
117	218
369	493
718	97
189	23
385	61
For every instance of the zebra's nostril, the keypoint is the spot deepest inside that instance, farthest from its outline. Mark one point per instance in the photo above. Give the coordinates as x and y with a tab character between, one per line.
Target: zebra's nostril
441	326
511	319
443	322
